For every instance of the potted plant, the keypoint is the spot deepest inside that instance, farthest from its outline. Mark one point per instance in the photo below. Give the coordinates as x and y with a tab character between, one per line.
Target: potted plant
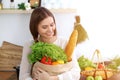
1	6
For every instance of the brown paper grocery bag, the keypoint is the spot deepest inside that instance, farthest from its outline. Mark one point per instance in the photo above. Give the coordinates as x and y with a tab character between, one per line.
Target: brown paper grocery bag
53	69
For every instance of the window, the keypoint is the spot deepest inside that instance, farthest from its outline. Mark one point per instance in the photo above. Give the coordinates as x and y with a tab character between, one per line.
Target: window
101	20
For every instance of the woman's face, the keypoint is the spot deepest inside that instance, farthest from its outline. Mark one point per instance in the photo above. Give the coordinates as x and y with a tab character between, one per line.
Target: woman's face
46	28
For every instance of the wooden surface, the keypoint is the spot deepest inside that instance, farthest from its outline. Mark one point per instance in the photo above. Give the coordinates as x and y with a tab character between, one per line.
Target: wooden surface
6	75
18	11
10	56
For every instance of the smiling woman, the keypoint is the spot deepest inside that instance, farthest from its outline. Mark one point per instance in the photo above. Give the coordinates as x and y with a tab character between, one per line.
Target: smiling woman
43	29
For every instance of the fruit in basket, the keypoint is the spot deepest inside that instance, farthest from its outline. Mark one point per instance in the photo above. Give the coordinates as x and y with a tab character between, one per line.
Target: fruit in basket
101	66
85	62
90	78
115	63
98	78
105	73
89	68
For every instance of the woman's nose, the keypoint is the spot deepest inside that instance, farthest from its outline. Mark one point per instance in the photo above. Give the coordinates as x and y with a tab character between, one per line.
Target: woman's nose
50	29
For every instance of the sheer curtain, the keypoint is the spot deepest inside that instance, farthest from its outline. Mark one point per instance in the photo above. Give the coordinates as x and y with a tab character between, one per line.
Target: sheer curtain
101	19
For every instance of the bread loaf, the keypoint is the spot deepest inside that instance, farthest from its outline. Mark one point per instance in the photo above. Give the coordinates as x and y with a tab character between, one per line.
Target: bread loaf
71	44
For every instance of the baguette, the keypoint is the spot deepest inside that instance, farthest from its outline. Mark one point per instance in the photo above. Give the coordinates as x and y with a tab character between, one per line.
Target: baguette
71	44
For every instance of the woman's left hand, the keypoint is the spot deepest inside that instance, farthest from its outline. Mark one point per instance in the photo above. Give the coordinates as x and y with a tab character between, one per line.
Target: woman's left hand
41	75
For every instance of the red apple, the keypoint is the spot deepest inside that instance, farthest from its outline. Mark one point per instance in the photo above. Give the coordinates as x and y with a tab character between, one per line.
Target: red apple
101	66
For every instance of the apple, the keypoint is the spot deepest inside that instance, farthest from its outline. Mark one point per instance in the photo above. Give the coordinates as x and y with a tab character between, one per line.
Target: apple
98	78
90	78
100	66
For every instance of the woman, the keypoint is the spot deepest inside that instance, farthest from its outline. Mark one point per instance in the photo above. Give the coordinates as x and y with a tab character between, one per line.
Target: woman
43	28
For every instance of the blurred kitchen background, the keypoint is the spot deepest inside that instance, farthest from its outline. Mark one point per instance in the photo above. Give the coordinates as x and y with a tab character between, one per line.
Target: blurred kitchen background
100	18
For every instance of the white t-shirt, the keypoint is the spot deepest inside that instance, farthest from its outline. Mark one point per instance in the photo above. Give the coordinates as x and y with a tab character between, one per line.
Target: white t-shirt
25	66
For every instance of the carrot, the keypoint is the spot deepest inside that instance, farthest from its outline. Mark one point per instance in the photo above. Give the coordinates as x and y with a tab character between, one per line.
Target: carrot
71	44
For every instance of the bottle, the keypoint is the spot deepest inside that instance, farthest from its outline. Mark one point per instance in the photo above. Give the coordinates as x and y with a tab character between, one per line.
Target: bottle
12	5
27	5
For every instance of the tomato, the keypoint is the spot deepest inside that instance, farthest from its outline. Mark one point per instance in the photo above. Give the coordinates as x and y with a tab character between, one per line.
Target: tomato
46	60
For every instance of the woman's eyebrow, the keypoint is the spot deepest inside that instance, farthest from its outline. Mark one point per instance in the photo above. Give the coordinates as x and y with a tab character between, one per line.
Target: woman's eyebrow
44	25
52	23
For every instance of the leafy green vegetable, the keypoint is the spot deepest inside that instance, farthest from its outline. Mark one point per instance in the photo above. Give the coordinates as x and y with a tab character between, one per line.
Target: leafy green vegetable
41	49
115	63
85	62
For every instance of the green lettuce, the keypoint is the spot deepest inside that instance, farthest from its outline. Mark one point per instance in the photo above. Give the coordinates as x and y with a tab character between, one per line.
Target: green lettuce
41	49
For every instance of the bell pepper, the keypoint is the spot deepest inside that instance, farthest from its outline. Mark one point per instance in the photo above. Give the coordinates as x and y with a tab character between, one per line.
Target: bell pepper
46	60
55	63
60	61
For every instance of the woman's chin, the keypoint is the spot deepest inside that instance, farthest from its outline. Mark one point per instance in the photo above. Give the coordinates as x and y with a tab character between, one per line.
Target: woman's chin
50	36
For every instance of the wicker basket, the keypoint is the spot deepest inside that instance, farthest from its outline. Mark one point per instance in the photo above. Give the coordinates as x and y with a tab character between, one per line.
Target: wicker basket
98	72
104	72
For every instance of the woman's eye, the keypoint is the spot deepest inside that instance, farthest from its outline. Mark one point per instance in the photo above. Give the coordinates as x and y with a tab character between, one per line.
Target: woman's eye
44	27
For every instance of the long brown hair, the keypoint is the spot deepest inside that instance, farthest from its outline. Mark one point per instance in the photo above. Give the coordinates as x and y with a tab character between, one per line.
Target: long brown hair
37	16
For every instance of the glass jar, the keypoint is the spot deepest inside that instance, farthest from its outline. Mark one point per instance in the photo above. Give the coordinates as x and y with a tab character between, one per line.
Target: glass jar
12	4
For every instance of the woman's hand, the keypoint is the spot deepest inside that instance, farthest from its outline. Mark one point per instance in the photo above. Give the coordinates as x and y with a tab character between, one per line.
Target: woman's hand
40	74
